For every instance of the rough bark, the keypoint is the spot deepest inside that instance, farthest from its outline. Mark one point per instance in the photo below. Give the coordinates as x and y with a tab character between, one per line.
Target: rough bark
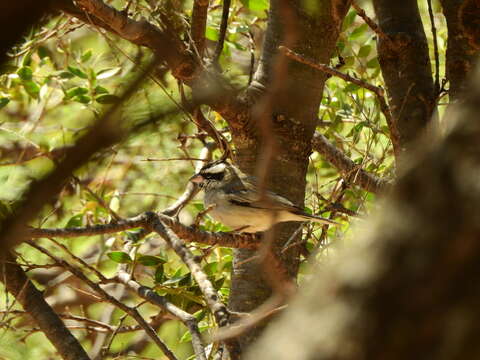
407	288
32	301
288	101
462	52
405	64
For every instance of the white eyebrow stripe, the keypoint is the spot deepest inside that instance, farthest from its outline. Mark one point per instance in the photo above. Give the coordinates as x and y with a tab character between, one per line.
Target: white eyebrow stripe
216	169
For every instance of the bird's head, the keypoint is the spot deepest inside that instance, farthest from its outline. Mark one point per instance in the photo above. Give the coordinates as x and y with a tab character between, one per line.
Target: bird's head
214	174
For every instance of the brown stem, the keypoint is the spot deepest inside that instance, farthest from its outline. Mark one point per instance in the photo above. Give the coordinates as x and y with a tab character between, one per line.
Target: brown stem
199	23
218	309
351	171
223	30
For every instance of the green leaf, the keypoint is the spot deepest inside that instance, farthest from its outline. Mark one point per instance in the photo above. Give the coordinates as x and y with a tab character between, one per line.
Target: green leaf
364	51
256	5
100	90
75	91
84	99
4	101
351	87
75	221
108	72
25	73
211	33
349	19
359	31
66	75
175	279
373	64
107	99
134	235
77	72
86	55
32	89
43	52
120	257
148	260
159	274
211	268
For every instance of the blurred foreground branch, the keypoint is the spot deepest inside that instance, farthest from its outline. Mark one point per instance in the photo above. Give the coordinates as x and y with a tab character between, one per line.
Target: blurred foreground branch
410	280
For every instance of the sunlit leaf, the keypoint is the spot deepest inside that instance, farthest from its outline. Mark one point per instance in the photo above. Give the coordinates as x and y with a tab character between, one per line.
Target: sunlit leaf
120	257
86	55
148	260
77	72
31	88
25	73
109	72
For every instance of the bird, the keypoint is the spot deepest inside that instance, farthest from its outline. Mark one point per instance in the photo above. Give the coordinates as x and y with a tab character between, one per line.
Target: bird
233	198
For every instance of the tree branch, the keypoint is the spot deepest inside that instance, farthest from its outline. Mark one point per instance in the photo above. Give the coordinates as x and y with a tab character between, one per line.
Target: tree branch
151	296
223	30
198	26
218	309
378	91
351	171
187	233
133	312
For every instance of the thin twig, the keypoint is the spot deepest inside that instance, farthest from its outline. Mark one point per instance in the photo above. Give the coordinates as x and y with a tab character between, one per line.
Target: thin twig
372	24
151	296
191	189
218	309
378	91
77	272
435	48
223	31
351	171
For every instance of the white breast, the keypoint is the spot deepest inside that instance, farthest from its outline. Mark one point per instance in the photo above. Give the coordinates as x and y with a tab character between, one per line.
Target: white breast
237	217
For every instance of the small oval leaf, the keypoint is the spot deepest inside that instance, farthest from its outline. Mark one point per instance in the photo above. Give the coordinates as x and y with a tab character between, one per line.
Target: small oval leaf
120	257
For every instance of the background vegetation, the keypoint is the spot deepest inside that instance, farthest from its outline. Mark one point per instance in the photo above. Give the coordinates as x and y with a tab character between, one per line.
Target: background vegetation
66	73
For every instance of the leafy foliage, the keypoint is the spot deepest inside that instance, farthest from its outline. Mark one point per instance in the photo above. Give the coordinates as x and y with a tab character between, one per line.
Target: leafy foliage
65	74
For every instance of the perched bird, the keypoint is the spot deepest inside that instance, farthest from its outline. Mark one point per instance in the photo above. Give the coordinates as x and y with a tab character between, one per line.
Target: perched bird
235	200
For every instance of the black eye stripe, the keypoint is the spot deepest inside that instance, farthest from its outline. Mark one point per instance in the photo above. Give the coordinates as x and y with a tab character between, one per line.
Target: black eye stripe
217	176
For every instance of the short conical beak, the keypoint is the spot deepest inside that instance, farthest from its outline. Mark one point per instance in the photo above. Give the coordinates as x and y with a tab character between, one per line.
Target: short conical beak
197	179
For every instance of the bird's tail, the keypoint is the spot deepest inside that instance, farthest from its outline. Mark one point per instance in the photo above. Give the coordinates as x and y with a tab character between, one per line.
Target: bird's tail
318	219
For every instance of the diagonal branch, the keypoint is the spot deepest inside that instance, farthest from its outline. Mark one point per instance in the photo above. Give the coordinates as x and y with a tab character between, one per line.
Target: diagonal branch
378	91
223	30
141	32
151	296
165	42
351	171
218	309
133	312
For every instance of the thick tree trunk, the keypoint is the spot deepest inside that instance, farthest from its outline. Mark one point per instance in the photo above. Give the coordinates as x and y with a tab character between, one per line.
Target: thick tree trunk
290	99
405	63
408	287
462	53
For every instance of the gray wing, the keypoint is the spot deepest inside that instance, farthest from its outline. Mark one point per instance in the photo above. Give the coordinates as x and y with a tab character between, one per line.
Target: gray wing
248	195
